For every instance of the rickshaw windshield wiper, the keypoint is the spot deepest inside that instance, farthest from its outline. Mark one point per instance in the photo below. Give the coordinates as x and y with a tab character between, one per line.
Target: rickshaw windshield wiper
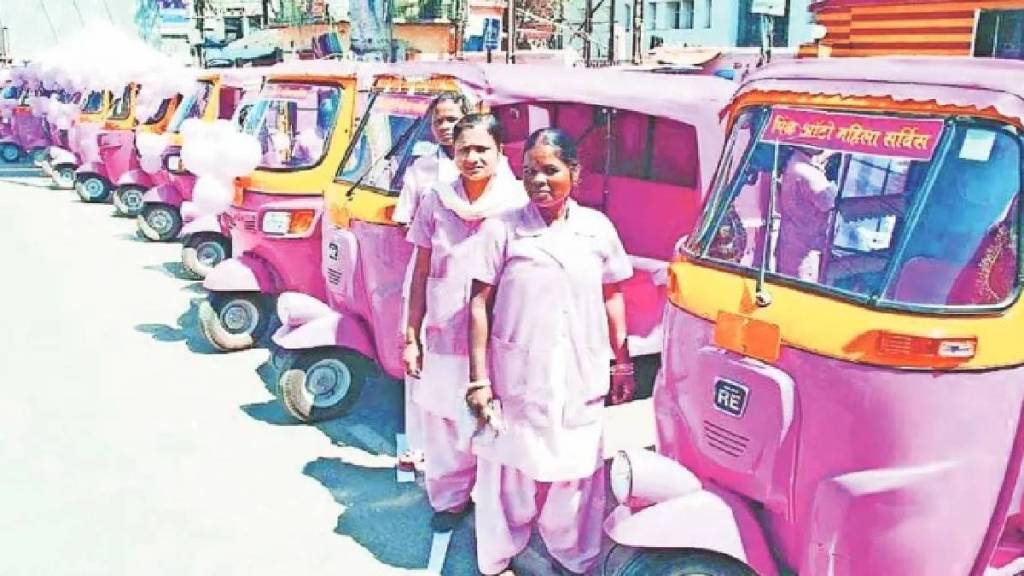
761	296
404	137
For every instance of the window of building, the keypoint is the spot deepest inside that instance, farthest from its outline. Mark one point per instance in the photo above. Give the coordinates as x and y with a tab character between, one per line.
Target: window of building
705	14
1000	34
748	31
628	17
672	16
651	17
686	15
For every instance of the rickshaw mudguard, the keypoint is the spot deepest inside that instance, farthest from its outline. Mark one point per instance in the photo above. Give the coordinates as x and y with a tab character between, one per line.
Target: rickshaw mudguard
89	168
136	178
59	156
704	519
309	323
245	273
163	194
207	223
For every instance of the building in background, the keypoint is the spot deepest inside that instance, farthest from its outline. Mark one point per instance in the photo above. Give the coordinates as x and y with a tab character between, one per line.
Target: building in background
984	28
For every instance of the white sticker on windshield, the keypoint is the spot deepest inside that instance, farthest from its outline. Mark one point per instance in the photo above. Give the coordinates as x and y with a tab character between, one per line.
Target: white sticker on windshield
977	145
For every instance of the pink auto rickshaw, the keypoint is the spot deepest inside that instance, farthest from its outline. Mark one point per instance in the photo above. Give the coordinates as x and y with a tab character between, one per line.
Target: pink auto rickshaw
645	160
842	389
10	97
26	135
303	120
163	192
112	150
60	163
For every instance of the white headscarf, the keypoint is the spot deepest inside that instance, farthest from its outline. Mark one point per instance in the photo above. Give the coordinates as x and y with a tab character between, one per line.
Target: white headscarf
503	193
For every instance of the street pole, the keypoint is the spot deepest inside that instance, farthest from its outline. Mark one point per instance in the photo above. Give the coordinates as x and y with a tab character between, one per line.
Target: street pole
638	32
266	14
611	32
513	30
588	29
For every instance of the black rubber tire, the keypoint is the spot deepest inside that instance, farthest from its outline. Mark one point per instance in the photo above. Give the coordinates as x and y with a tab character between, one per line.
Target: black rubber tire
151	210
682	563
123	209
264	305
103	196
296	399
194	241
10	153
38	155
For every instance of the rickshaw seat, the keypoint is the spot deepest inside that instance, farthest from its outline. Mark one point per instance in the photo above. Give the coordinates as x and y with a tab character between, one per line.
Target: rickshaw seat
651	216
925	281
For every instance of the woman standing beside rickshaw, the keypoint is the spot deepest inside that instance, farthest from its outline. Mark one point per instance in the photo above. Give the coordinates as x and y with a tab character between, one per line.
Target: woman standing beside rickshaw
444	231
551	272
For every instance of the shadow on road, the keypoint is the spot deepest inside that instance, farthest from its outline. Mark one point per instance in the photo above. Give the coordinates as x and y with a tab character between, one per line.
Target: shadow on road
173	269
133	237
187	331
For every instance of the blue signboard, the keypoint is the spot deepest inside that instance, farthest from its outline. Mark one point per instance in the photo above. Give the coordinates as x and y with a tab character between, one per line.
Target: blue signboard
492	33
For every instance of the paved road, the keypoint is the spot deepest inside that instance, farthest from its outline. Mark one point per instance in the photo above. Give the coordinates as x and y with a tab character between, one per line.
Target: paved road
128	447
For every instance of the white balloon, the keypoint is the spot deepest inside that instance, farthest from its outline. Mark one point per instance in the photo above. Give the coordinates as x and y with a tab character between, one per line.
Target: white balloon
212	195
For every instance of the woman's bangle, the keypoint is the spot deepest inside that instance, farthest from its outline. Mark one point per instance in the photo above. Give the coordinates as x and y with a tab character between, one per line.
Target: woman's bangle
478	384
622	369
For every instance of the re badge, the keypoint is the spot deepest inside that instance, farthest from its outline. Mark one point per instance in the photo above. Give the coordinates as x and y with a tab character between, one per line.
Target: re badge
731	397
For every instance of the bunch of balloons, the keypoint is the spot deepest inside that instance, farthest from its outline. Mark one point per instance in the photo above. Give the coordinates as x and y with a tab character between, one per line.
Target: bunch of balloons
216	153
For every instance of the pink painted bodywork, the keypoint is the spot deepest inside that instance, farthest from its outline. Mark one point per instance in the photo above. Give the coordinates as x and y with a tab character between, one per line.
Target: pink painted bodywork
168	187
116	155
281	263
364	268
26	130
866	471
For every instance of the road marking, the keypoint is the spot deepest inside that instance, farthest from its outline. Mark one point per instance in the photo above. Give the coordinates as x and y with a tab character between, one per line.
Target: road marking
438	551
401	446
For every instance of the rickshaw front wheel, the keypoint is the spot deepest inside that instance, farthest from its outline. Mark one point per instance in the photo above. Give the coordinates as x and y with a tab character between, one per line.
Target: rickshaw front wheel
682	563
92	189
160	222
128	201
236	320
322	383
204	251
10	153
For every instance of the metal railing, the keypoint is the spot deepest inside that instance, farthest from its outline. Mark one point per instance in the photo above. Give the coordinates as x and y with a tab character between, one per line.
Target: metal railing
424	10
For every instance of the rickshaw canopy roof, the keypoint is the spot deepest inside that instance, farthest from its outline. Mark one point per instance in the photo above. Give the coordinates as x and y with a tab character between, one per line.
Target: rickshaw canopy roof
965	82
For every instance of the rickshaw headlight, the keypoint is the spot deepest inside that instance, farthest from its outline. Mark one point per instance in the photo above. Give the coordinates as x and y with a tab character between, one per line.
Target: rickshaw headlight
276	222
621	477
288	222
175	165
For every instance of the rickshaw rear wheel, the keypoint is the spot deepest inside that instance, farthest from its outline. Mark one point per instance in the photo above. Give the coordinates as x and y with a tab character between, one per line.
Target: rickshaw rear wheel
10	153
322	383
64	176
682	563
92	189
160	222
38	155
128	201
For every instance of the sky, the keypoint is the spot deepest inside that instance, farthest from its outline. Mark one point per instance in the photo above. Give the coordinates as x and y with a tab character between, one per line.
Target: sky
30	29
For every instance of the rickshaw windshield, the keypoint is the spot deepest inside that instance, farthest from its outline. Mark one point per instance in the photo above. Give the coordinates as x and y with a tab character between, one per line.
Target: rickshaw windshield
160	112
392	133
122	106
93	103
192	106
915	213
293	123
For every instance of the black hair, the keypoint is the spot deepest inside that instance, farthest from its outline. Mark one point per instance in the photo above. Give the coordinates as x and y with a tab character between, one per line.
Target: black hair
565	148
486	121
458	99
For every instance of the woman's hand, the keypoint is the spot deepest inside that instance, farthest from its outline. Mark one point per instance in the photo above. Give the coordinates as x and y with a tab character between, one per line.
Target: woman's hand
479	400
412	359
623	386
